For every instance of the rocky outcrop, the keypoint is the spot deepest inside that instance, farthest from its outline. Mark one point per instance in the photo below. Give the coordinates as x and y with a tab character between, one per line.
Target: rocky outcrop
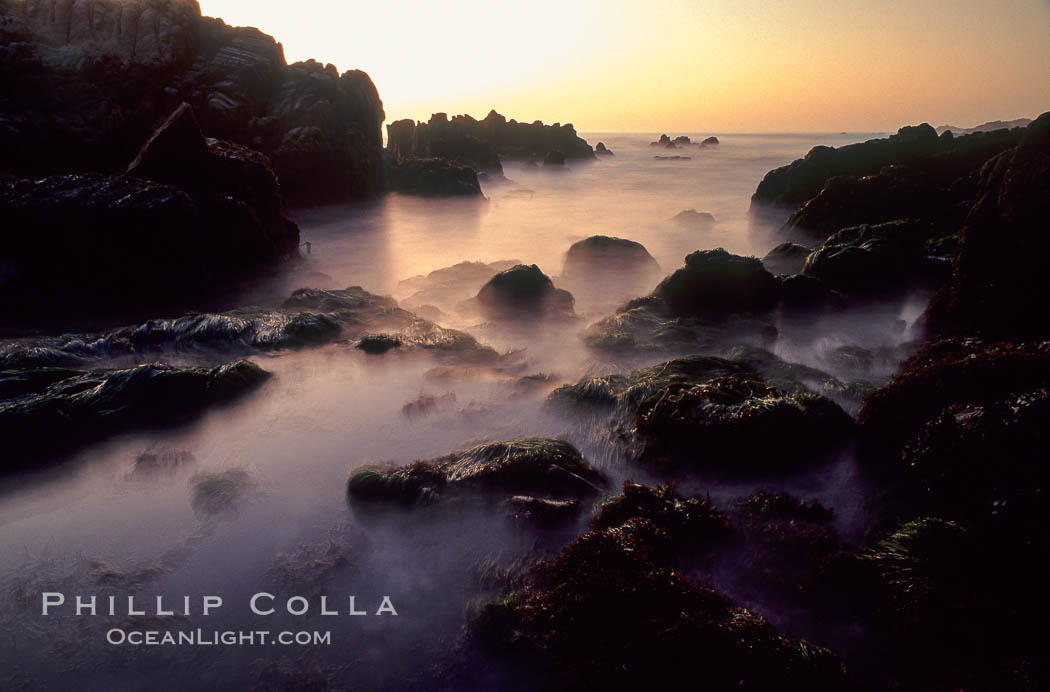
189	218
715	281
524	291
617	257
95	78
482	143
601	150
998	277
933	165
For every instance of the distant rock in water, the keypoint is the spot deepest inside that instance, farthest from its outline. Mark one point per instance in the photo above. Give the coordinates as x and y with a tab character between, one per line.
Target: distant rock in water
189	219
691	218
482	143
673	158
709	141
601	253
433	178
664	141
542	466
55	411
601	150
95	79
682	140
448	286
554	159
522	291
786	258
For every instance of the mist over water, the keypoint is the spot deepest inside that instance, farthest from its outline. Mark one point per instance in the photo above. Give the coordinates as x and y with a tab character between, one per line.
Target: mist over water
107	522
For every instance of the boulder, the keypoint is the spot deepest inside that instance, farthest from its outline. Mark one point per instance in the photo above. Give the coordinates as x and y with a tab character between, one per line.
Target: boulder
601	150
524	290
691	218
614	256
708	141
715	281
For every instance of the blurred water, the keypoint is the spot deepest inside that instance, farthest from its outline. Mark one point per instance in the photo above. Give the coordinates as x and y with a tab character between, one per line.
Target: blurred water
96	526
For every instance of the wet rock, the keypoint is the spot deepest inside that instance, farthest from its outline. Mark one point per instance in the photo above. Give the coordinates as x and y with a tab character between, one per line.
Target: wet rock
427	404
96	81
308	318
715	281
601	150
691	218
524	290
433	178
999	271
786	258
714	415
541	512
555	631
535	466
449	286
803	294
57	416
694	524
881	259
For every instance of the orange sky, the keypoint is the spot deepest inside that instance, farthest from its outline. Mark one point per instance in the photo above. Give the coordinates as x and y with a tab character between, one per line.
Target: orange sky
682	65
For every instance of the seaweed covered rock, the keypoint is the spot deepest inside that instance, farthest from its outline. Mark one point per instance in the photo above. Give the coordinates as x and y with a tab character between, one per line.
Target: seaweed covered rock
524	290
786	258
433	177
694	522
715	281
613	611
541	512
534	466
715	415
999	271
56	411
96	79
879	259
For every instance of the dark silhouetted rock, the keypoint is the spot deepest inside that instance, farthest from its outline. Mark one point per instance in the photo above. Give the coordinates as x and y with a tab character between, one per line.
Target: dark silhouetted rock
999	277
601	150
95	79
664	141
928	164
433	177
682	140
524	290
673	158
786	258
709	141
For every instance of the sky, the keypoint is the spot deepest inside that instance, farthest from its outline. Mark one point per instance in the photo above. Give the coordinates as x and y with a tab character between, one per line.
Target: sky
689	66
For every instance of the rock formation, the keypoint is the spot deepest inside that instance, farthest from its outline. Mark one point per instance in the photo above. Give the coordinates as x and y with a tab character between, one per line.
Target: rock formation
96	77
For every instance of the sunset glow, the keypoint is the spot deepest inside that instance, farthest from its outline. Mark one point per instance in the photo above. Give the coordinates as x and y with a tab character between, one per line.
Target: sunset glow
681	65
